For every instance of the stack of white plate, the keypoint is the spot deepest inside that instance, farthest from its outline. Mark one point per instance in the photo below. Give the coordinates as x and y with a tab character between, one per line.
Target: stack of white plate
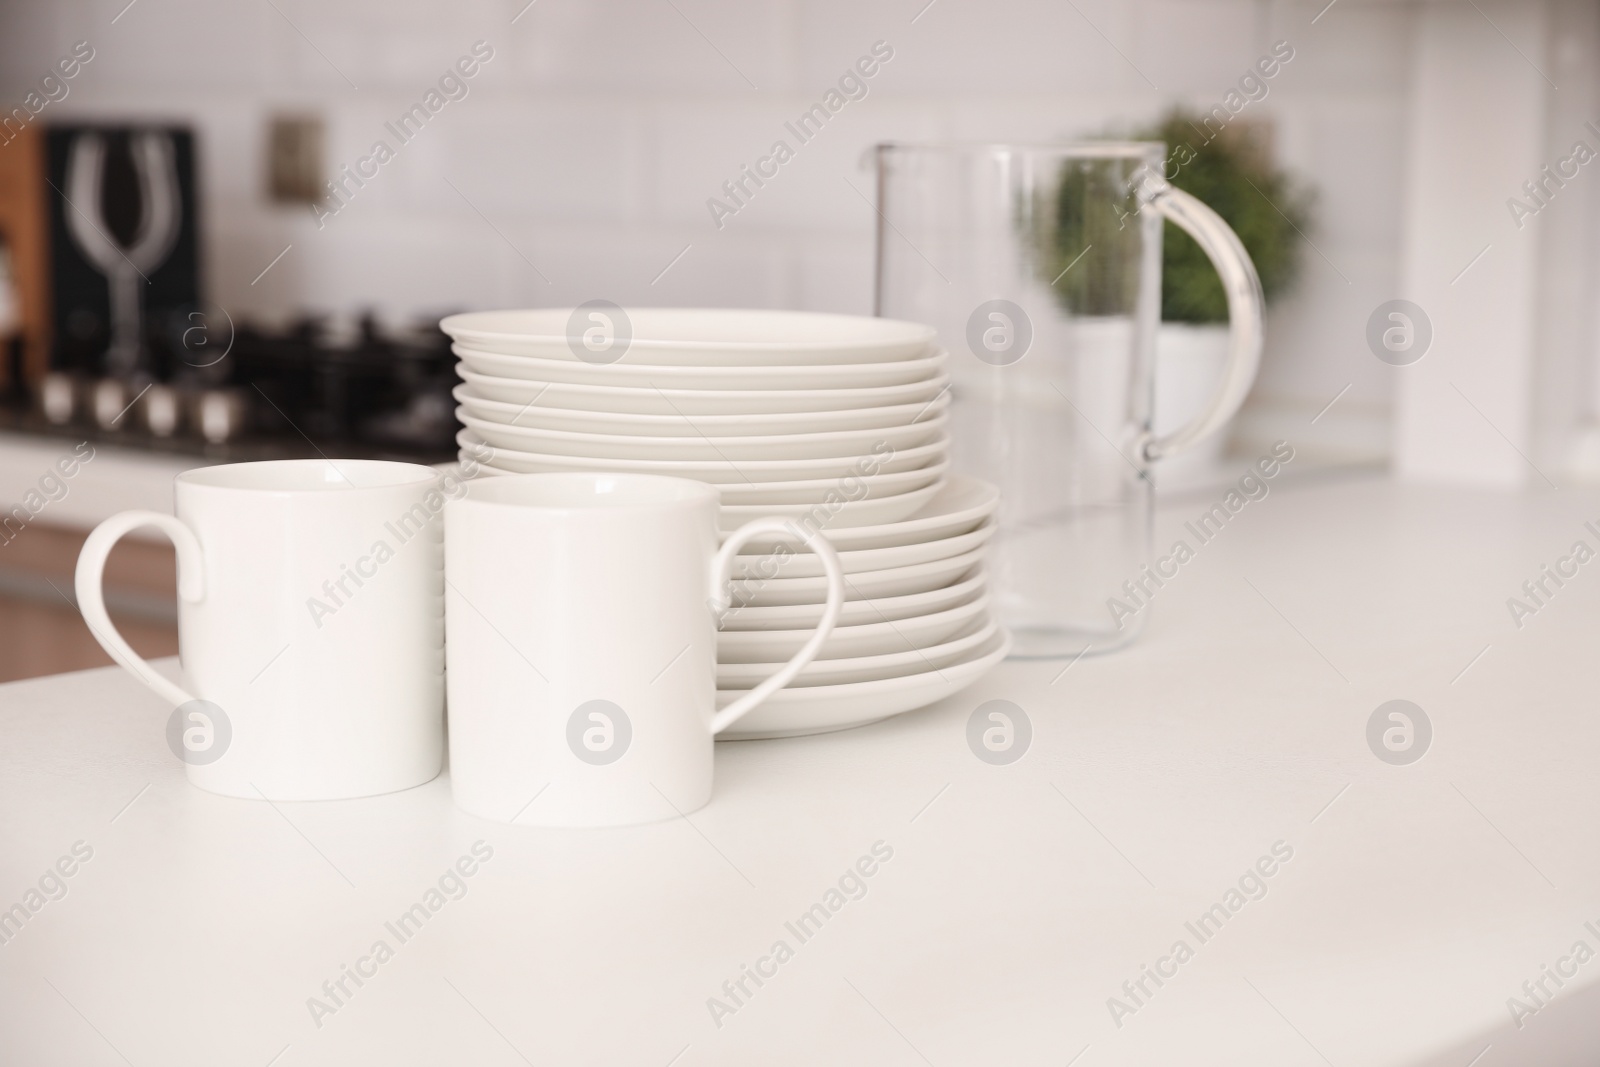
778	408
834	419
917	624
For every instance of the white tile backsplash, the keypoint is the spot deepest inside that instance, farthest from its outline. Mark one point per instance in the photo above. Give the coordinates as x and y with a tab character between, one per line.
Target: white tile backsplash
821	187
835	273
582	159
175	44
591	141
1352	48
1357	205
650	48
1198	46
958	48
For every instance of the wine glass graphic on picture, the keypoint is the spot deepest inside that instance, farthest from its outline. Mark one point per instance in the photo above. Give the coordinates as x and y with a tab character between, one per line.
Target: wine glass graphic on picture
126	265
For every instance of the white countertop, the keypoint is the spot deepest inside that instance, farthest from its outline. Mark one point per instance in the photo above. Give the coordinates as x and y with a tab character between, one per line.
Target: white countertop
116	478
1018	898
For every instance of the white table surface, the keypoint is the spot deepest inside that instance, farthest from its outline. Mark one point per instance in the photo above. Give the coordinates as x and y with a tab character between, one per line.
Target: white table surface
116	478
1018	899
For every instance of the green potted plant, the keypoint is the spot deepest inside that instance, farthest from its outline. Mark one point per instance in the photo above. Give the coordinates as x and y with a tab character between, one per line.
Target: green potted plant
1231	170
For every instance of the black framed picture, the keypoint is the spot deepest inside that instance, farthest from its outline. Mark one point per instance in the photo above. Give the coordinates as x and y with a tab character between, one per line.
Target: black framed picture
124	247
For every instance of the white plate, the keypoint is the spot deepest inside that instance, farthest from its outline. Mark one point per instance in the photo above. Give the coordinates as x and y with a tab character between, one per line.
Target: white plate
841	516
962	505
720	472
648	401
864	668
832	516
869	639
856	612
816	490
538	417
800	563
701	337
837	516
833	444
830	376
817	709
867	585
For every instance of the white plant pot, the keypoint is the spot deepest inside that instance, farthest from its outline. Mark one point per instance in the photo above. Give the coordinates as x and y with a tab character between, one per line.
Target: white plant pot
1189	366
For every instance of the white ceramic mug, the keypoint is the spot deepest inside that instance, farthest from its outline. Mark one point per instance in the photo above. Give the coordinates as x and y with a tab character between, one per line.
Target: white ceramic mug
310	625
582	645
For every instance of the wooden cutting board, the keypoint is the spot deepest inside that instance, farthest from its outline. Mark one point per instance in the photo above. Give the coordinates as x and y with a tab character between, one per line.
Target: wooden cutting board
25	222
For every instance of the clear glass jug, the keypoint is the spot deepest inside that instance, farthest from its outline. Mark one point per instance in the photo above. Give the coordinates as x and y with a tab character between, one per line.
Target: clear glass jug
1041	268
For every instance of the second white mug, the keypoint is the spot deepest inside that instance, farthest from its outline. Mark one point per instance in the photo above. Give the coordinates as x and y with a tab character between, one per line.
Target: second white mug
580	616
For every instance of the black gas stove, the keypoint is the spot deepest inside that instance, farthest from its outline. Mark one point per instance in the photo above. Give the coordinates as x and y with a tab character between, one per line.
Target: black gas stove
237	391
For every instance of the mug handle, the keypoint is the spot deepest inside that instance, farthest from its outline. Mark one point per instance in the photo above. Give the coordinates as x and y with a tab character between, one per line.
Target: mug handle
88	579
1222	246
721	574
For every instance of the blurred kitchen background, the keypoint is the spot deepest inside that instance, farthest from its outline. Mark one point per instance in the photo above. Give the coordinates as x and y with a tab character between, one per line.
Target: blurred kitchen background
181	170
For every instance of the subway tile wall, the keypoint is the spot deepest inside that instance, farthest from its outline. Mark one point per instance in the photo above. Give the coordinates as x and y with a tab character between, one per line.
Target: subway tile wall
580	163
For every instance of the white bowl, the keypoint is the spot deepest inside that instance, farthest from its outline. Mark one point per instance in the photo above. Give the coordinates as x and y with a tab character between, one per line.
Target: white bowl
648	401
963	504
864	668
574	372
863	444
718	471
864	585
536	416
856	612
867	639
817	709
801	563
698	336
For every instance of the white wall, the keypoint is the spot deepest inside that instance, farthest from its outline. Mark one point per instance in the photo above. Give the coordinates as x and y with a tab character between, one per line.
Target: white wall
592	140
1461	408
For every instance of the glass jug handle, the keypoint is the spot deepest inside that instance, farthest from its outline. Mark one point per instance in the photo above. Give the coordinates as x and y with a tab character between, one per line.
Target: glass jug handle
1239	280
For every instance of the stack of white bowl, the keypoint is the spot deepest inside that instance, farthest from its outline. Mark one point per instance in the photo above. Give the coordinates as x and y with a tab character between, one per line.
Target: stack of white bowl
836	421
